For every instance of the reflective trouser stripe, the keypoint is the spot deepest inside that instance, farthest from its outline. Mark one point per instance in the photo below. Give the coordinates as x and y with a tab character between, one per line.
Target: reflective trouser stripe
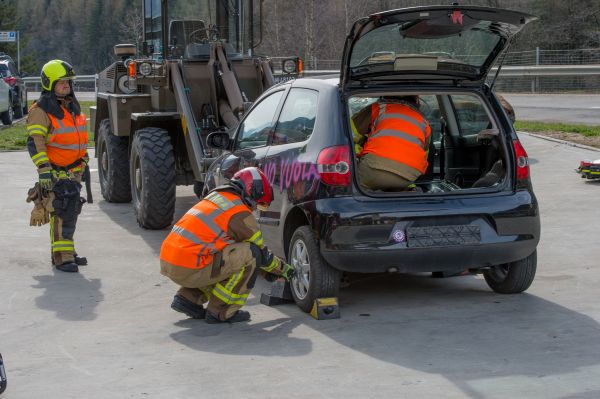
226	294
63	245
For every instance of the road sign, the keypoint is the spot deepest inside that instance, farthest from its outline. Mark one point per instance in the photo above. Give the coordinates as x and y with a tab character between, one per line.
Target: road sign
8	36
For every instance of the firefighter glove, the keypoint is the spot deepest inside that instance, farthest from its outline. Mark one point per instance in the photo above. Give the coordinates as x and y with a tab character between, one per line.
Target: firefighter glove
267	256
288	272
45	179
39	215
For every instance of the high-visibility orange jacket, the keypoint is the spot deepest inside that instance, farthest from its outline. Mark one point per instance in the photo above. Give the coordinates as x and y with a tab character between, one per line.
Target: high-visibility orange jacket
202	231
399	133
69	138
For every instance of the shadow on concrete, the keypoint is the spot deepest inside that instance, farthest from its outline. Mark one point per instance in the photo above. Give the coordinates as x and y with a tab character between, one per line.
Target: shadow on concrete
70	295
454	327
267	338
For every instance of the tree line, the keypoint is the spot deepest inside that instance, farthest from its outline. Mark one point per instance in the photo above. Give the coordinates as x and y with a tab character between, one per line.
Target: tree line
83	32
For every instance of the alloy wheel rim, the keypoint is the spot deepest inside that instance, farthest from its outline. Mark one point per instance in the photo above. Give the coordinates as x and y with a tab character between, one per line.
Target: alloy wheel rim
301	262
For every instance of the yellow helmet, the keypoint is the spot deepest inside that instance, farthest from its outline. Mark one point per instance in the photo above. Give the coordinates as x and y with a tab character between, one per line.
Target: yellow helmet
55	70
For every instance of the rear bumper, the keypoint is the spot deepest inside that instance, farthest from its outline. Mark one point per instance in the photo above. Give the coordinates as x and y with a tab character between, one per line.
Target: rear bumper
369	235
409	260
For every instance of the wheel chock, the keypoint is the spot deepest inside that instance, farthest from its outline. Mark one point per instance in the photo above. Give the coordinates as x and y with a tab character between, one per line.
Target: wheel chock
325	309
280	293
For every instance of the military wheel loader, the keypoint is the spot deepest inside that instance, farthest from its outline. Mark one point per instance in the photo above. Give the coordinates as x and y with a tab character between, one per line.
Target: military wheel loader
197	74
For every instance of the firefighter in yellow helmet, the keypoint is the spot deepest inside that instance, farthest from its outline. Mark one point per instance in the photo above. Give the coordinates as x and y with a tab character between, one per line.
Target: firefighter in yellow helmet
57	144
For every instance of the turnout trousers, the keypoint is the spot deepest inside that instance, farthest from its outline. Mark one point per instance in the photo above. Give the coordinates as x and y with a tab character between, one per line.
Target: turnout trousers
62	230
225	284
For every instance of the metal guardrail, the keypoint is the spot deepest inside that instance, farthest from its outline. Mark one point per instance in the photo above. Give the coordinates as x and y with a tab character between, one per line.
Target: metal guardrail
513	71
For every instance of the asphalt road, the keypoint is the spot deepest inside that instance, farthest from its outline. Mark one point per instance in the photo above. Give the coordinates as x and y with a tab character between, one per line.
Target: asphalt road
108	332
566	108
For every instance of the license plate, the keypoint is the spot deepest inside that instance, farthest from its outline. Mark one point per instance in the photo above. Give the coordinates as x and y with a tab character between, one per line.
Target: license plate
442	236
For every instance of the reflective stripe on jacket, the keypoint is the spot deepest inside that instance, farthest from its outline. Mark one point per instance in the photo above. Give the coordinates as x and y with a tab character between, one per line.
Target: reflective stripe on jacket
399	133
202	231
69	138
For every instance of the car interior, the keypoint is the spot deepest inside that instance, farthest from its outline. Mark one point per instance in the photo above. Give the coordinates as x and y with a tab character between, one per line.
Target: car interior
466	151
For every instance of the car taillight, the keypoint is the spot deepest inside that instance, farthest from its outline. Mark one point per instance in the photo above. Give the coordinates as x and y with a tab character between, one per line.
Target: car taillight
333	165
522	162
11	80
585	163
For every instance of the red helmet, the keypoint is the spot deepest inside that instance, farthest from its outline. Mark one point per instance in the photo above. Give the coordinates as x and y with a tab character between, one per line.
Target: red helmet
257	188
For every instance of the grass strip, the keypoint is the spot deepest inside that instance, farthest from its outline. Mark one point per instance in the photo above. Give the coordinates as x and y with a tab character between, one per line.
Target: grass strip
15	136
533	127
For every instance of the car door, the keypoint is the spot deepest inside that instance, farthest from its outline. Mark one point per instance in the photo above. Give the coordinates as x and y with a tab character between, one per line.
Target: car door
4	96
250	140
464	150
291	176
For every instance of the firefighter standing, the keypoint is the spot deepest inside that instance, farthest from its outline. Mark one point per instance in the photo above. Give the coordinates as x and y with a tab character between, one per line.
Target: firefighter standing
214	252
395	152
57	144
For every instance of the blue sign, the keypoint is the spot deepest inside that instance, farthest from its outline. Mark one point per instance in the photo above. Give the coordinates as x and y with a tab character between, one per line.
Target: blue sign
8	36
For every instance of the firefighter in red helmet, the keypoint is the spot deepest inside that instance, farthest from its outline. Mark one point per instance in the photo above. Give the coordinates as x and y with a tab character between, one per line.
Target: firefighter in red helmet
215	251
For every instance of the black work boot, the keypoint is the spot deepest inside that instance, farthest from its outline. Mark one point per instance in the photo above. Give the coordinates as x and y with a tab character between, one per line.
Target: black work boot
69	267
187	307
240	315
81	260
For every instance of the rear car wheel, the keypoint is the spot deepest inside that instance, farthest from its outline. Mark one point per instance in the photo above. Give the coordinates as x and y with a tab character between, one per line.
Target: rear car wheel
153	178
113	164
18	110
514	277
199	189
7	116
315	278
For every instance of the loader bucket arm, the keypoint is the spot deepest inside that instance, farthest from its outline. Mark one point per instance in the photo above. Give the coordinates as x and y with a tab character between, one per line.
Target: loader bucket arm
195	149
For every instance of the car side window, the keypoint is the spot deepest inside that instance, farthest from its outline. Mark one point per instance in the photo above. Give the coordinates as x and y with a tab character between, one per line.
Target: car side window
430	108
255	128
298	116
470	114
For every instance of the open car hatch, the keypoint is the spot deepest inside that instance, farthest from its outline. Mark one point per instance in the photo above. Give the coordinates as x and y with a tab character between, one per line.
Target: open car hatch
460	43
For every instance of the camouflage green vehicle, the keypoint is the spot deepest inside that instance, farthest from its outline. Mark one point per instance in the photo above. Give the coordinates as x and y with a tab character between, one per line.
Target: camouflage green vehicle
197	74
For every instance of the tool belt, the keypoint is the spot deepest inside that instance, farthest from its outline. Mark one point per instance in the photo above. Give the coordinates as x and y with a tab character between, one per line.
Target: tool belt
85	174
67	203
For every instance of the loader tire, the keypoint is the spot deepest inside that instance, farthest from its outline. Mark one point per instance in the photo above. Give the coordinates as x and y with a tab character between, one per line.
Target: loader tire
153	178
113	164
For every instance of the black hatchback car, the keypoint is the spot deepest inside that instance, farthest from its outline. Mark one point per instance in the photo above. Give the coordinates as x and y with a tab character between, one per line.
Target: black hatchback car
475	209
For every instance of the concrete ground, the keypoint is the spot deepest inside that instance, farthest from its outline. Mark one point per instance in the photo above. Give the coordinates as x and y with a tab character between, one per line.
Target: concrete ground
108	332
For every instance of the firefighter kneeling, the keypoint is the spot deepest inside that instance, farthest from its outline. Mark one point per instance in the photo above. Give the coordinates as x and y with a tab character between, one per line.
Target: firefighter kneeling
214	252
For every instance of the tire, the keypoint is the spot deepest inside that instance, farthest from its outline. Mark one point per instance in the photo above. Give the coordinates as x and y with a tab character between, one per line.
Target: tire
514	277
25	108
199	189
153	178
317	279
7	116
113	164
18	110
